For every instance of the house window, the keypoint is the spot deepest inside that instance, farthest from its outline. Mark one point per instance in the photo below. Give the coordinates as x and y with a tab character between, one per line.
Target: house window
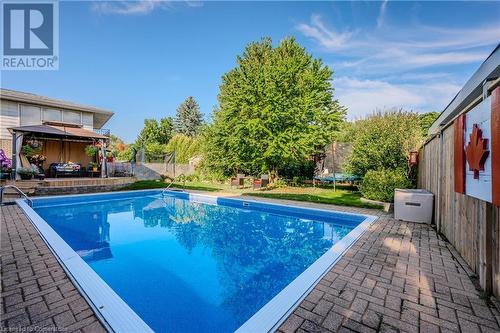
52	115
72	117
30	115
88	119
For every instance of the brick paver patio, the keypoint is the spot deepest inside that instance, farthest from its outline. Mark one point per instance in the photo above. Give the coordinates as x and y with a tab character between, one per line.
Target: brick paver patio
36	293
398	277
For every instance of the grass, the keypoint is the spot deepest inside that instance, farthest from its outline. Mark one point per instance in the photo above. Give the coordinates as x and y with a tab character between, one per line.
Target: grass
343	195
152	184
316	195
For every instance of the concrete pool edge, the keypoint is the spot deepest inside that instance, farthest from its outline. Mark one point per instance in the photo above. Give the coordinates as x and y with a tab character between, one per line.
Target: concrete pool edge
110	308
276	311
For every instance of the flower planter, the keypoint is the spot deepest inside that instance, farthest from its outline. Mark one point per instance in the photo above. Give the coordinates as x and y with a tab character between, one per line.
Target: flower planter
4	175
25	176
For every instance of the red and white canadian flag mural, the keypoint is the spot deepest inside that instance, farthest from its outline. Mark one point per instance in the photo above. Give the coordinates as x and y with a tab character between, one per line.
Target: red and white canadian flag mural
477	150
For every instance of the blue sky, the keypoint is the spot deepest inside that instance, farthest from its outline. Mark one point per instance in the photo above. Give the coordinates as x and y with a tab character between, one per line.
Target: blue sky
142	59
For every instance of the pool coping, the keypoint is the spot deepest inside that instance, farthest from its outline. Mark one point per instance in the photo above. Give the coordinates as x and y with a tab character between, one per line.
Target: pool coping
270	317
108	306
117	316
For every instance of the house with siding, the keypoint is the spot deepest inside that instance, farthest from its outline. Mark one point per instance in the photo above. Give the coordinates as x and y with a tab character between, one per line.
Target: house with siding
61	129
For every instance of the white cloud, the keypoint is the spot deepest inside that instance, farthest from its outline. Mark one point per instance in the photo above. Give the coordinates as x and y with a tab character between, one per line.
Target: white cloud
362	97
381	15
143	7
327	38
127	7
194	3
400	49
418	77
397	60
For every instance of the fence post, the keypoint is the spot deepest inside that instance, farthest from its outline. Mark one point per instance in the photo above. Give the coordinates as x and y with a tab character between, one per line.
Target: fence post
174	163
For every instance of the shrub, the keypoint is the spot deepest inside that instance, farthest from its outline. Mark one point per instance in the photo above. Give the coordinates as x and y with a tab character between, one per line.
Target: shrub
125	155
380	184
279	183
155	152
383	141
193	177
185	148
211	176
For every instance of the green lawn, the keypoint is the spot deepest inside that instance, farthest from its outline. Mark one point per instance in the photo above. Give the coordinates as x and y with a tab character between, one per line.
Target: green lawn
317	195
343	195
152	184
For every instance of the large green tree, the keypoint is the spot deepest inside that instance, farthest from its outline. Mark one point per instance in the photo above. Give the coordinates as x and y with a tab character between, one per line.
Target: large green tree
154	137
276	108
188	118
155	131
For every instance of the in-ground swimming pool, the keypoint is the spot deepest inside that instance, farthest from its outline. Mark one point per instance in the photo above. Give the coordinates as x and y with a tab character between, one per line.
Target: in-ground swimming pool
193	263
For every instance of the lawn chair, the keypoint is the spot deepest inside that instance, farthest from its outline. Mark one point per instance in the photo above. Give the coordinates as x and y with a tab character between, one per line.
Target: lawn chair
238	181
261	183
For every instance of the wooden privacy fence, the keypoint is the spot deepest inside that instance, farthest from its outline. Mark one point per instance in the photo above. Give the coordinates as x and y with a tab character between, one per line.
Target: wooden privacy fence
471	225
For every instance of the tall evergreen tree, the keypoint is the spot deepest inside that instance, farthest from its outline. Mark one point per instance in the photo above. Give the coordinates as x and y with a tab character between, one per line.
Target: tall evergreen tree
188	118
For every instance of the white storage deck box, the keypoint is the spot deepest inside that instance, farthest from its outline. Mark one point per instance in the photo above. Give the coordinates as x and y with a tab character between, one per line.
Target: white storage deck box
413	205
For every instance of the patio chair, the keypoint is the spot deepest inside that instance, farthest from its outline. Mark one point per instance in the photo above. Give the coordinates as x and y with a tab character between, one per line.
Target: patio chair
238	181
261	183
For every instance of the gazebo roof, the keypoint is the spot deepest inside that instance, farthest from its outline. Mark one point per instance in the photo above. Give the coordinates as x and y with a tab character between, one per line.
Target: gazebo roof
59	131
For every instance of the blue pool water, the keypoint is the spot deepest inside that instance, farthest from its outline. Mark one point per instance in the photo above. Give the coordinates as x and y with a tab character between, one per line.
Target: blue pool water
187	266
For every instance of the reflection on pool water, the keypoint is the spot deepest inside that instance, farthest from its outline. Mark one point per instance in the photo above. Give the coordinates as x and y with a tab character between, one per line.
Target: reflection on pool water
186	266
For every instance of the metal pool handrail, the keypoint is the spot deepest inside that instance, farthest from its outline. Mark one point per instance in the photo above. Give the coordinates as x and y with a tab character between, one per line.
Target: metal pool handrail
172	182
18	190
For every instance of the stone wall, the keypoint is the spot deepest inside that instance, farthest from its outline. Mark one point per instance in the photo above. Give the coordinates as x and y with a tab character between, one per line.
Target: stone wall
53	190
165	170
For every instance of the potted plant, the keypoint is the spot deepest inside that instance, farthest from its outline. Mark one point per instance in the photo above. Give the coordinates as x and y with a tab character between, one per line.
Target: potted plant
5	172
25	173
93	165
91	150
37	159
29	151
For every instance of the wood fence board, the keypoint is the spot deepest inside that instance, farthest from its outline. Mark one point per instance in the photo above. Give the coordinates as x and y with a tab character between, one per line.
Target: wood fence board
472	226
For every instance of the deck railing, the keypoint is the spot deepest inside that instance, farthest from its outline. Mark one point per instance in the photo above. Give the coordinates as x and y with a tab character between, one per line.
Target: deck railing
103	131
